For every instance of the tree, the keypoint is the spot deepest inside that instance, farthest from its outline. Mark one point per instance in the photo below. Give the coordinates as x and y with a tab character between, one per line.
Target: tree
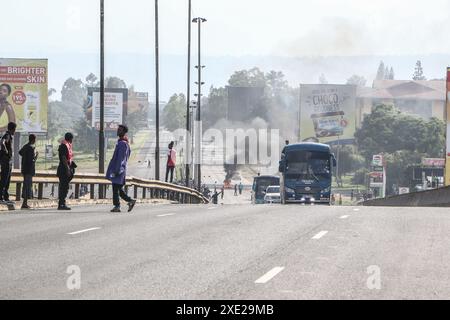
402	138
174	113
349	160
215	107
418	72
73	91
115	82
357	80
91	80
381	71
248	78
86	136
391	74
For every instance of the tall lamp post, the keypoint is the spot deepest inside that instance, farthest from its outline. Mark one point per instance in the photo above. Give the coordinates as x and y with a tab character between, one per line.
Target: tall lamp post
188	97
101	134
199	67
157	92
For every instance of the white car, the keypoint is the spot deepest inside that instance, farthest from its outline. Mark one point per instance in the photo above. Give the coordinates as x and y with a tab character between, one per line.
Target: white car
272	194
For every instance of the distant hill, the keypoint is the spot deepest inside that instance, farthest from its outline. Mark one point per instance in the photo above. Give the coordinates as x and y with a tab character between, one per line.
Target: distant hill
138	69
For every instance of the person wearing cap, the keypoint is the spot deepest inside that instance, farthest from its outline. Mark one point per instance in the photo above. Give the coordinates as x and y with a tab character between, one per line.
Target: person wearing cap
66	169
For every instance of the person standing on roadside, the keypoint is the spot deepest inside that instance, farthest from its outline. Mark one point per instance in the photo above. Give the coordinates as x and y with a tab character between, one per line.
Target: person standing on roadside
171	161
29	156
66	169
6	160
117	170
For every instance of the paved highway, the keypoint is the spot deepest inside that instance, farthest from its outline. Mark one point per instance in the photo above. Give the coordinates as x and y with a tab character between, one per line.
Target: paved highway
226	252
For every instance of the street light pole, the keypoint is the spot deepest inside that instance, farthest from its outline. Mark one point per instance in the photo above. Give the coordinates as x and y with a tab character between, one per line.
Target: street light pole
188	98
157	92
199	98
101	134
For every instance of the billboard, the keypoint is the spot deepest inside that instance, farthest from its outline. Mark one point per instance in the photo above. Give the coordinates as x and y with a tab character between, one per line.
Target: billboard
138	108
116	101
328	113
447	157
24	94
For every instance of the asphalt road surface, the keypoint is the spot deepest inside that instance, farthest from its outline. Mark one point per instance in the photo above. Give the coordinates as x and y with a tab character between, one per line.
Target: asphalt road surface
226	252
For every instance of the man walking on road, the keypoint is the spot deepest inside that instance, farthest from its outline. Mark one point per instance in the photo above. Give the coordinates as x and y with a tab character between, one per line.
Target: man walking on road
235	189
117	170
6	159
241	187
29	156
171	160
66	169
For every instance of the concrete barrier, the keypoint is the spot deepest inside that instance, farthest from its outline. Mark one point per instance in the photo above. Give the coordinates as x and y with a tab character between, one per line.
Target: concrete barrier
429	198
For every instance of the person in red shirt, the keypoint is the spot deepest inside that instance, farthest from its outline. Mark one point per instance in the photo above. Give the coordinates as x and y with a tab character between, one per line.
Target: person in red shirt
171	162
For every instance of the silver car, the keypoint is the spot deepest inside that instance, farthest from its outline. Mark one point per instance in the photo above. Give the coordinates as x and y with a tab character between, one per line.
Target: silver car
272	194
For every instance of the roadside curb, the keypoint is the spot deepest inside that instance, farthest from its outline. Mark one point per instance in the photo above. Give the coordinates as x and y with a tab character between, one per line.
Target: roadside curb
53	204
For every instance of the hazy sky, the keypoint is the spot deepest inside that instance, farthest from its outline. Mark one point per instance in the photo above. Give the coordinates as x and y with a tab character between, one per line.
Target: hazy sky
234	27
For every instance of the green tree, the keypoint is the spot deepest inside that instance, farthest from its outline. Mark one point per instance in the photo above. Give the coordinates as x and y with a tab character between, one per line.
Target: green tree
359	81
349	161
215	107
403	139
381	72
174	113
418	71
248	78
73	91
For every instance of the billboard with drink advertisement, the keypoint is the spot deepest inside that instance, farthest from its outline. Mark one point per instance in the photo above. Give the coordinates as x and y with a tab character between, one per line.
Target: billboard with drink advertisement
24	94
327	113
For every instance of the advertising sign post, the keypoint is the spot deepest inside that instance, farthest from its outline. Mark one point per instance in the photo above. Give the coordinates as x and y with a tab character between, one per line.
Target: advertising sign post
24	94
328	113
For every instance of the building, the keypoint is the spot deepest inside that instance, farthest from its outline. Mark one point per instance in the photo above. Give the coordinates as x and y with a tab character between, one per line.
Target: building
422	98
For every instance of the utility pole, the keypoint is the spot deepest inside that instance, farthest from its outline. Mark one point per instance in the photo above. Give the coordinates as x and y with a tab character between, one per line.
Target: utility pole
199	98
188	98
157	92
101	134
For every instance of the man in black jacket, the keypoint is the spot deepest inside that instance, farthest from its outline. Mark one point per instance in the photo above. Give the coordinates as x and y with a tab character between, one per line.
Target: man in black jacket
6	159
66	169
29	156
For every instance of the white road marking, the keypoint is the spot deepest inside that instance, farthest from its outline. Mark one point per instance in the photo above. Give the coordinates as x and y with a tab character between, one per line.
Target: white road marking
82	231
355	209
269	275
320	235
344	217
166	215
212	208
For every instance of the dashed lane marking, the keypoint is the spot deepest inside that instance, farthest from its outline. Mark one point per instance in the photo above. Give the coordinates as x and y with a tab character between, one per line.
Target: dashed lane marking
83	231
269	275
320	235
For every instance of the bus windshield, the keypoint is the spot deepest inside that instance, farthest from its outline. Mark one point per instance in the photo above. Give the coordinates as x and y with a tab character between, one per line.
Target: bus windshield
308	165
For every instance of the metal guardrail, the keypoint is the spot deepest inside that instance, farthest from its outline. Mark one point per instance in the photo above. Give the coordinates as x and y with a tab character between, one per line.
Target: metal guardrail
149	189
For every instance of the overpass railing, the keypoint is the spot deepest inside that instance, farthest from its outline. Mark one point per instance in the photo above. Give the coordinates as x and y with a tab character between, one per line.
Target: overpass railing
98	186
